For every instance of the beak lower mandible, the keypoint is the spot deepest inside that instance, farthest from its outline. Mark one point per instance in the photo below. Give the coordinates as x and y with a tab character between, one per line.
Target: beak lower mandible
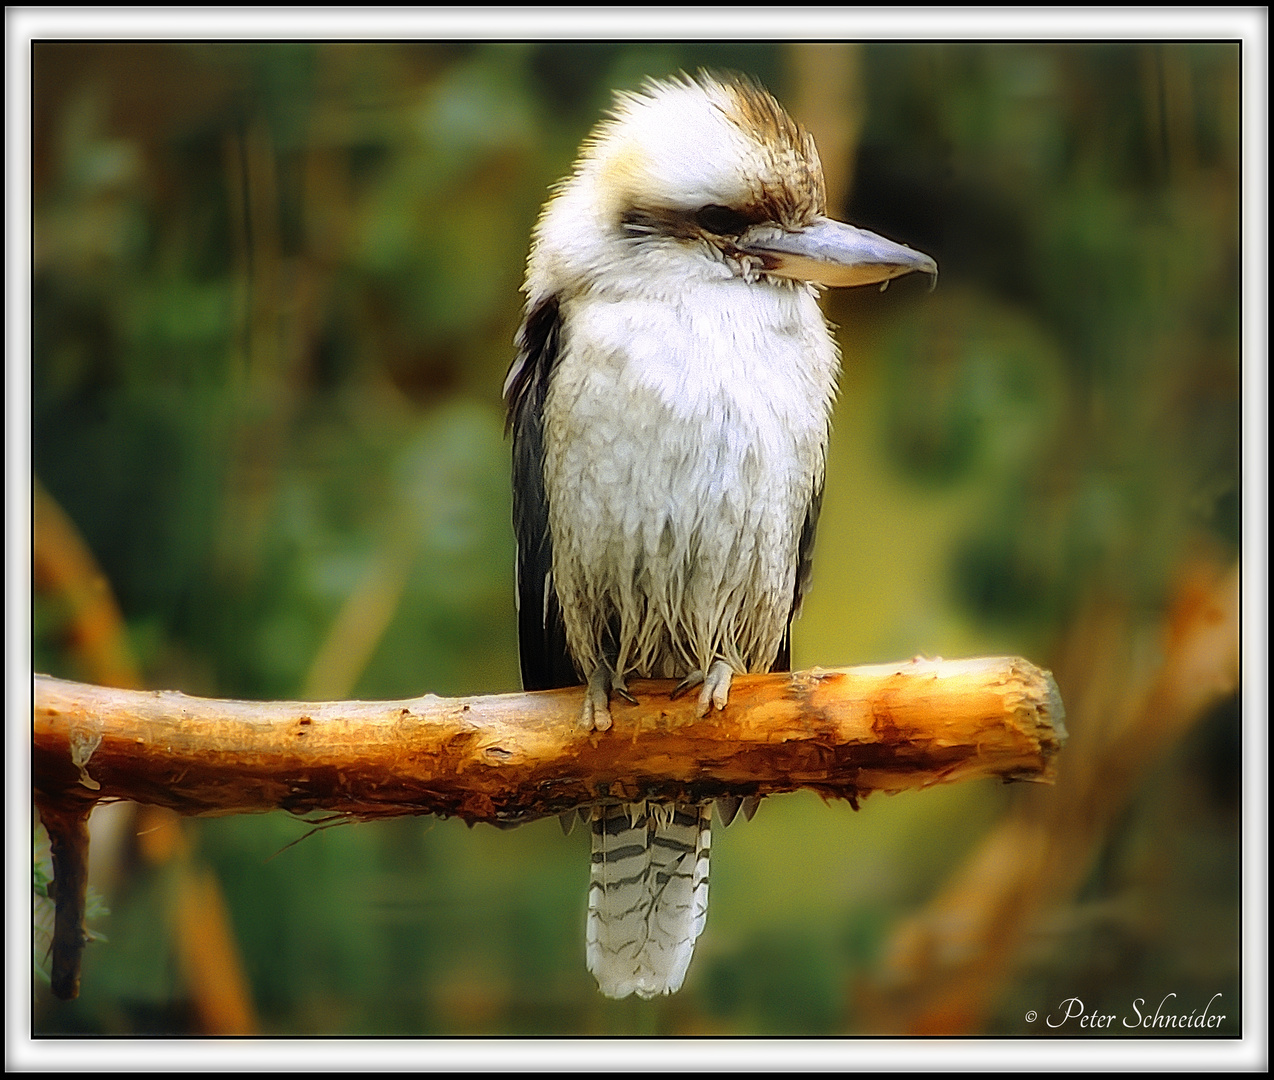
832	253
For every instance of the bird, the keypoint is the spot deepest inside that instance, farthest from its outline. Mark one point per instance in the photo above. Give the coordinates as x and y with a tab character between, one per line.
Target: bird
670	406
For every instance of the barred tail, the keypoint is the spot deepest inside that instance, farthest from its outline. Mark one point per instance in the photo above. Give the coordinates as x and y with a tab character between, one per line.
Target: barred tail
647	896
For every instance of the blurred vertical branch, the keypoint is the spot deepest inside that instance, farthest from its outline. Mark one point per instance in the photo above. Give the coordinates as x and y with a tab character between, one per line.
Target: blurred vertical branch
65	571
208	954
261	336
830	99
361	622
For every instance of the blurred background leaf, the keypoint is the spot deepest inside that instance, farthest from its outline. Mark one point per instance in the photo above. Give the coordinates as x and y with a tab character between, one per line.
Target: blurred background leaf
275	290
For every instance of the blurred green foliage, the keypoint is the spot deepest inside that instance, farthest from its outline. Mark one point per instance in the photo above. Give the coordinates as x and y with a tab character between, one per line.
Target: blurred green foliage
275	290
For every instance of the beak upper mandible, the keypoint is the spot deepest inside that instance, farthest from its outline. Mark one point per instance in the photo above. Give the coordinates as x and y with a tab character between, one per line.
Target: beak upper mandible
830	252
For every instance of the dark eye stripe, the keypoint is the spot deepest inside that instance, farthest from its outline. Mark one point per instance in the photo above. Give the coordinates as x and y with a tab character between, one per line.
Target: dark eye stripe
713	219
721	220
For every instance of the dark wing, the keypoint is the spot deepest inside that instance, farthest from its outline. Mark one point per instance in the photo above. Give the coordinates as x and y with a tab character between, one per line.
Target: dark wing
804	569
541	636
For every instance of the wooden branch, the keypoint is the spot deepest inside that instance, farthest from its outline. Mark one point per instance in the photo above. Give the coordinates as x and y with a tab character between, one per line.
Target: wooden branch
515	757
68	844
511	758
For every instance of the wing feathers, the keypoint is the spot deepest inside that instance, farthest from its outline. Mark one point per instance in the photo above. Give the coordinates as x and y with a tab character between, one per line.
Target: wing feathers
541	636
804	569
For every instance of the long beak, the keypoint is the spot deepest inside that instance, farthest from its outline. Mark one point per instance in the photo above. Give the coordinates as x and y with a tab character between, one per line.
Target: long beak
832	253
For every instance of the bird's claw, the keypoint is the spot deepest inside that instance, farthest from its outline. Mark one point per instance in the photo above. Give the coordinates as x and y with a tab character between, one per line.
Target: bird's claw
693	679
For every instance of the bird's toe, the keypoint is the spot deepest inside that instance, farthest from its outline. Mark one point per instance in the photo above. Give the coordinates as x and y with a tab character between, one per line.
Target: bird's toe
716	687
595	713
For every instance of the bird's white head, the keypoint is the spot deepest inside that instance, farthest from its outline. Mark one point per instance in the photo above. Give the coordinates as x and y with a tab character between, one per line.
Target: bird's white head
704	176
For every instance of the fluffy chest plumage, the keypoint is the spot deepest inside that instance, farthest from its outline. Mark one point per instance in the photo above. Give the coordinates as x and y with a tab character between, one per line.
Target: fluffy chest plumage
684	440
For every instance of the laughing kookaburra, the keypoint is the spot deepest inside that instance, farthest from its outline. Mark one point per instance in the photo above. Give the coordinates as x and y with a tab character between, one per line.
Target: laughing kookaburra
669	404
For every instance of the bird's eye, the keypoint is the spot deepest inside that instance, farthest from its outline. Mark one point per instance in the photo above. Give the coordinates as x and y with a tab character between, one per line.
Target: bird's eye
721	220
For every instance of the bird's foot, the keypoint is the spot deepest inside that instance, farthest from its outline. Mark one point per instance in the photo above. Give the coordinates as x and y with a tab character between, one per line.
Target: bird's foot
716	686
596	711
